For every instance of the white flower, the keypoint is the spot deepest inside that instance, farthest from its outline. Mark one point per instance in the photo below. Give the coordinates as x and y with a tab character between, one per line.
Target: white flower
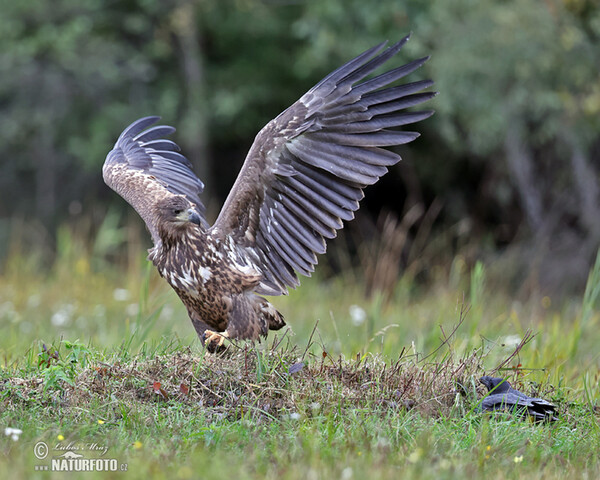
59	318
63	315
166	313
13	433
510	341
358	315
415	456
121	294
34	300
132	309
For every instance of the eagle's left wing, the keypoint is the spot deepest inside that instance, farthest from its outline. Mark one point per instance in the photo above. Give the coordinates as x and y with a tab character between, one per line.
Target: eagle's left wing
307	168
143	167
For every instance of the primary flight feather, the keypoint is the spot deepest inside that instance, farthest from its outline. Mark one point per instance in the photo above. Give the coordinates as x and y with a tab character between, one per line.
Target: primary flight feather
304	174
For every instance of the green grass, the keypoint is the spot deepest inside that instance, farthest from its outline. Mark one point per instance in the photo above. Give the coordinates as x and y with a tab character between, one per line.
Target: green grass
356	388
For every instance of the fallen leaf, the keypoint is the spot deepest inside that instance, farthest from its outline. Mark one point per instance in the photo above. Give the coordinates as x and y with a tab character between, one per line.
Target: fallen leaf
183	388
159	391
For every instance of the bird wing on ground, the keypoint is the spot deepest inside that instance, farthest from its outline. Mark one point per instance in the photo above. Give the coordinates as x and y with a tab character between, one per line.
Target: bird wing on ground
144	168
306	169
503	397
502	401
535	407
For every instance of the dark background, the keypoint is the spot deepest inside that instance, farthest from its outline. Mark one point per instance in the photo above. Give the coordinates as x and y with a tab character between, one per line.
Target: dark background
506	171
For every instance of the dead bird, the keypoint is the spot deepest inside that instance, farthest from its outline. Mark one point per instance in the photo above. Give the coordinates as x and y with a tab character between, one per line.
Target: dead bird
502	396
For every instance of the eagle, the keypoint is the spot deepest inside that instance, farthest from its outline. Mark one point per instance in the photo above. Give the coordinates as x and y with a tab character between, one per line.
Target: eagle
303	176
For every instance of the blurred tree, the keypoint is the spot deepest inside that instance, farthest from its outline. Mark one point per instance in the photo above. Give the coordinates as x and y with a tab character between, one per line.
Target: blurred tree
521	92
68	72
515	135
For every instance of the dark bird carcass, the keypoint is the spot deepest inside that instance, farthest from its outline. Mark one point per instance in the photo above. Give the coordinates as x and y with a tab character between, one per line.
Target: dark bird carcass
304	174
502	396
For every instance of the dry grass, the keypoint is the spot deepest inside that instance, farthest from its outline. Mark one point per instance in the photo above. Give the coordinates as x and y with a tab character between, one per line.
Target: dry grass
264	383
273	410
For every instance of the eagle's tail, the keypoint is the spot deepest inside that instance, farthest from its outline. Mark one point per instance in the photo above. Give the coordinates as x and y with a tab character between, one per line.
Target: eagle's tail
252	317
274	319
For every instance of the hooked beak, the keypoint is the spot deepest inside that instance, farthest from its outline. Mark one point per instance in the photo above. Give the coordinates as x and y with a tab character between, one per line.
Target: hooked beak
194	217
190	215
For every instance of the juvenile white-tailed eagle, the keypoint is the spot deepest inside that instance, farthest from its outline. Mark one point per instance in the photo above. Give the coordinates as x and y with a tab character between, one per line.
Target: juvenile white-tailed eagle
304	174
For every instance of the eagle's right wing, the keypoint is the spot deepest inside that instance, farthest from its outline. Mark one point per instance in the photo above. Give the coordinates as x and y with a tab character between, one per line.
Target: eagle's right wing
307	168
144	168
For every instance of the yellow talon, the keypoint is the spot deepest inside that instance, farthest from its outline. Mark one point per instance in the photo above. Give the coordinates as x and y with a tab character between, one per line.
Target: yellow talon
213	341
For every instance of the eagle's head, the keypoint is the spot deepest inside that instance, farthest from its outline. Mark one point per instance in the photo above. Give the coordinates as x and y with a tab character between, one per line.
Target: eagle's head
174	215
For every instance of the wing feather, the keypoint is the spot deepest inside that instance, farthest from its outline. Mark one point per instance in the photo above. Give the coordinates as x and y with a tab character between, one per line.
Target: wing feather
154	133
304	233
305	172
313	193
144	168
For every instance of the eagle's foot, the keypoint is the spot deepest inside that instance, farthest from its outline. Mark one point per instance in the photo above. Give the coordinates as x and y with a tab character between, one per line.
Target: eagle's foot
214	342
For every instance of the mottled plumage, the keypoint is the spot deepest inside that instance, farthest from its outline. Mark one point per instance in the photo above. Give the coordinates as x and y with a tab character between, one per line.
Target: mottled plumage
503	397
303	176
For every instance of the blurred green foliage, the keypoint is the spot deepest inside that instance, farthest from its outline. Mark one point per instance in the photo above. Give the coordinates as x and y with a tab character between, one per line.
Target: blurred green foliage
514	143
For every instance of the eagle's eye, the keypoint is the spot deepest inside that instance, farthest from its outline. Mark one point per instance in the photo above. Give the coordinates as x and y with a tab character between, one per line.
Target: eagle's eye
177	211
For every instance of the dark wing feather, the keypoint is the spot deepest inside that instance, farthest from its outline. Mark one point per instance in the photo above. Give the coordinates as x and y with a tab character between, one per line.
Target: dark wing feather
144	168
307	168
503	397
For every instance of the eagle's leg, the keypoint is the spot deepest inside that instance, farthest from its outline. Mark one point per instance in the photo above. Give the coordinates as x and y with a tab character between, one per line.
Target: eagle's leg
213	341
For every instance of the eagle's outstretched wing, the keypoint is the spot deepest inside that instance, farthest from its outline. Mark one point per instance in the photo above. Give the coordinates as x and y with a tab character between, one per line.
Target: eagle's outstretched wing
144	168
307	168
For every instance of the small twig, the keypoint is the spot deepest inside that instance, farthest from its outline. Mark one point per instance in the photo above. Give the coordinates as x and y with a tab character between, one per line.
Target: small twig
277	341
464	309
526	339
309	344
522	369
